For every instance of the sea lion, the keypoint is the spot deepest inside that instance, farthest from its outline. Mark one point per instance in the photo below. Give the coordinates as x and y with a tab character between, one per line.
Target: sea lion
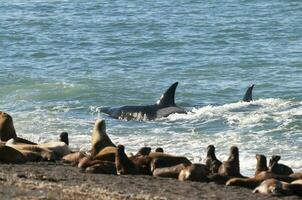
194	172
159	149
103	167
275	187
278	168
261	164
231	167
212	162
270	186
59	148
169	172
74	158
45	153
106	154
64	138
168	161
7	129
124	165
255	181
163	108
11	155
260	176
100	139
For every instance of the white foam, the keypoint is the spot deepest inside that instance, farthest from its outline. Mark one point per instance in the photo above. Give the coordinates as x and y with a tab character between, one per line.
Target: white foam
265	126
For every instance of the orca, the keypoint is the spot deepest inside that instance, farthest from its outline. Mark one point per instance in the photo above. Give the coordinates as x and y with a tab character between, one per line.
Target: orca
162	108
248	97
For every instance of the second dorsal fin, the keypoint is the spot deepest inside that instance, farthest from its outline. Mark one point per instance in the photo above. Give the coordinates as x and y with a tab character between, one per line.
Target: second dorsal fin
248	94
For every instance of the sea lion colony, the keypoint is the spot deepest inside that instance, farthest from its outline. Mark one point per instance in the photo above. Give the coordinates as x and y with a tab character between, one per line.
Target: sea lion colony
108	158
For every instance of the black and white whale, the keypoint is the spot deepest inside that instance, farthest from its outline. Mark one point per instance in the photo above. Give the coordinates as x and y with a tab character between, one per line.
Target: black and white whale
248	94
163	108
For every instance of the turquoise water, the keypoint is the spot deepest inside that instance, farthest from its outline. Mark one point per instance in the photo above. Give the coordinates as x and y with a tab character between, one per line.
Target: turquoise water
60	61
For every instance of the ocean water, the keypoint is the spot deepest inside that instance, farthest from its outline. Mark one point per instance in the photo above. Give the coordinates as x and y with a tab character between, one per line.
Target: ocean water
61	61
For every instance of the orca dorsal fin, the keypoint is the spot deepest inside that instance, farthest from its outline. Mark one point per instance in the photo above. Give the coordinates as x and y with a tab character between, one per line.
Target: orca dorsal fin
248	94
167	99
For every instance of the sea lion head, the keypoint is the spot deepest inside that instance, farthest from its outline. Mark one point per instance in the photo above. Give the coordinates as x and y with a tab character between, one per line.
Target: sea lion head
261	163
143	151
261	160
274	159
270	186
210	150
100	125
7	129
64	138
234	153
100	139
159	149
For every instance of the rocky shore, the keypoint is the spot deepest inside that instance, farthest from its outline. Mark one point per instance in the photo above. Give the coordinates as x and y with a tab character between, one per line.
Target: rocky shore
61	181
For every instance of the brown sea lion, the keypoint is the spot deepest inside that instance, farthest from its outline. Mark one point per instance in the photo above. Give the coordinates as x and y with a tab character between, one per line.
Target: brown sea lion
261	164
270	186
170	172
278	168
100	139
46	154
194	172
11	155
276	187
168	161
59	148
7	129
211	161
125	166
103	167
106	154
231	167
255	181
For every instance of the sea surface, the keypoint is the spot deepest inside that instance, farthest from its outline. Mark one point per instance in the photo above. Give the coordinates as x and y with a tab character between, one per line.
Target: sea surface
61	61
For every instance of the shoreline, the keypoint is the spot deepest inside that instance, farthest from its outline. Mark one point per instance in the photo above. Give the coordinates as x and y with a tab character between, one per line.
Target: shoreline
47	180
